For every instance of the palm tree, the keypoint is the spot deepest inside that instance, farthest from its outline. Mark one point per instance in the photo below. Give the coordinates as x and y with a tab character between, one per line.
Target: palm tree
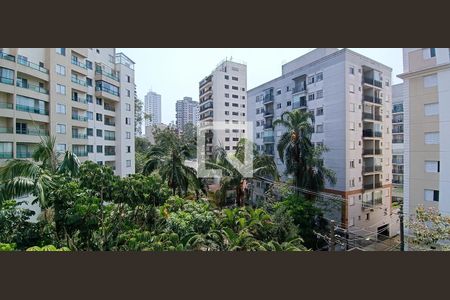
19	177
296	151
168	157
232	178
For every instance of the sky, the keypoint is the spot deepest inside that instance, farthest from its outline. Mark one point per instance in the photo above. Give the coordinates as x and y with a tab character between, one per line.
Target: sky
174	73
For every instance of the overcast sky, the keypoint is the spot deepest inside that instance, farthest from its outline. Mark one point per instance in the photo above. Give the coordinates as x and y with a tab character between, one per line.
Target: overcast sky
175	72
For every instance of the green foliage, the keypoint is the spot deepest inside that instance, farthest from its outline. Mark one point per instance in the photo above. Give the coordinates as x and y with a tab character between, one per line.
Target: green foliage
7	247
48	248
429	230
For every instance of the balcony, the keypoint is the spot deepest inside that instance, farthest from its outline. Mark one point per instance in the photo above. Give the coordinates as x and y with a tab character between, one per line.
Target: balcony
80	153
6	155
398	170
7	56
268	113
397	119
6	130
205	81
103	72
76	62
6	105
269	152
79	81
31	109
24	154
80	136
268	126
106	89
36	132
110	138
31	65
206	115
268	99
206	106
299	89
6	80
109	107
372	152
110	153
32	87
372	99
369	133
397	181
372	117
372	82
79	99
79	118
372	186
372	169
373	202
269	139
300	104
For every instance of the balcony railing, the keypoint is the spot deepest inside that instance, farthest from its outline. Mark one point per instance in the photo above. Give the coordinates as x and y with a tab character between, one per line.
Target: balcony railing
299	89
78	63
37	132
107	90
109	138
6	80
371	186
110	123
80	153
32	65
371	133
109	107
397	120
268	126
6	130
373	82
373	202
269	152
269	139
79	118
299	104
398	161
268	112
79	99
32	87
397	181
24	154
372	152
6	105
6	155
397	171
369	116
206	107
32	109
268	98
111	75
371	169
79	81
372	99
79	136
7	56
110	153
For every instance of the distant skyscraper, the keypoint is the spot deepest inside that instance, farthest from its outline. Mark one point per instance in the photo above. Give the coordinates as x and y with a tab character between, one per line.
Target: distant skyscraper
187	112
152	107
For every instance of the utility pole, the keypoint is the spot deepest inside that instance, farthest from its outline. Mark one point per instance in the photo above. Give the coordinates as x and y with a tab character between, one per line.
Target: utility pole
402	230
332	238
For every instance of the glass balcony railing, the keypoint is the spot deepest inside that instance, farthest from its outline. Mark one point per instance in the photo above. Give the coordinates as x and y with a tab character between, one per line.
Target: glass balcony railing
6	130
269	139
268	98
371	186
372	152
110	153
107	90
32	65
7	56
369	116
7	80
32	109
206	106
30	131
6	105
110	123
24	154
109	107
79	81
372	169
372	99
103	72
299	89
371	133
6	155
32	87
373	82
109	138
78	63
79	136
80	153
79	99
268	112
298	104
79	118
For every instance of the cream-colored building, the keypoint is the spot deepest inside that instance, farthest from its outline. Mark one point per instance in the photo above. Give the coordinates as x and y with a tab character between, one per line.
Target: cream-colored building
82	96
426	75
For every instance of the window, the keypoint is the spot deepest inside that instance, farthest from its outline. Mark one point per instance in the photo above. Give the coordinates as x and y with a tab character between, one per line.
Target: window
98	101
235	88
431	195
432	138
227	86
227	95
128	78
90	148
127	107
128	135
61	108
88	81
235	139
279	92
319	94
319	111
128	121
430	81
289	103
431	109
128	163
128	149
352	70
235	96
227	139
351	88
278	105
90	115
432	166
90	132
258	135
227	147
368	216
235	105
429	53
61	51
61	147
352	107
98	51
227	113
227	103
99	149
89	65
319	77
89	98
311	97
243	89
60	70
352	164
351	221
61	89
61	128
352	183
352	126
99	132
319	128
311	79
227	77
234	78
111	58
432	52
128	93
99	117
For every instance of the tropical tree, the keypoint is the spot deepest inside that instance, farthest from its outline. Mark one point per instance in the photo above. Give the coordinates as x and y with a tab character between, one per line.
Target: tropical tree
302	159
429	230
168	157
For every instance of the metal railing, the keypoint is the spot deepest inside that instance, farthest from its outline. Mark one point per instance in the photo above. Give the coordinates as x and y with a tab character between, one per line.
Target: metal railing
7	56
109	107
111	75
370	116
372	152
371	169
371	133
32	87
78	63
372	99
79	81
79	99
37	132
268	98
269	139
79	118
31	65
298	89
6	105
31	109
107	90
6	130
79	136
371	186
80	153
6	80
373	82
110	123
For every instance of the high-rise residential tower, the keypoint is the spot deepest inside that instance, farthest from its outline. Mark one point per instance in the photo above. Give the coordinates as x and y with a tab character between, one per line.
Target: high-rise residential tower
350	97
82	96
223	98
426	125
398	161
186	112
152	107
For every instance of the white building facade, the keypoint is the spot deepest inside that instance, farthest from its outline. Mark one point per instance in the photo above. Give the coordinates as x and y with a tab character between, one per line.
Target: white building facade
187	111
152	107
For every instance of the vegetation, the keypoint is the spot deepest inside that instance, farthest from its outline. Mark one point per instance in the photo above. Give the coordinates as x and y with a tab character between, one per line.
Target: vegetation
430	230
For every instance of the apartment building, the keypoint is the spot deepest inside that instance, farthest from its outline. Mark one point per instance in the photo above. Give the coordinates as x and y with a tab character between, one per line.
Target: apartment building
350	98
82	96
223	99
187	111
152	107
397	144
426	75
